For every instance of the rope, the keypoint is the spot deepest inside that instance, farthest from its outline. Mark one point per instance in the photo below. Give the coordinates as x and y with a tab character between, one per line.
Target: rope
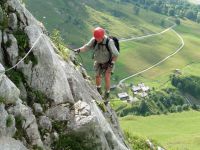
24	56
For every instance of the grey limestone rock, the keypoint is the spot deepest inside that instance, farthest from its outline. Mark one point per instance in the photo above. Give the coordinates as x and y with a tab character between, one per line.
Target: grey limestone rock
7	123
37	108
12	21
8	143
59	113
1	50
29	122
12	50
8	91
45	123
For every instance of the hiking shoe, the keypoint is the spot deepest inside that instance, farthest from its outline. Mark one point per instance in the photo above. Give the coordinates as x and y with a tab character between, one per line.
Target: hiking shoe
106	102
99	90
106	96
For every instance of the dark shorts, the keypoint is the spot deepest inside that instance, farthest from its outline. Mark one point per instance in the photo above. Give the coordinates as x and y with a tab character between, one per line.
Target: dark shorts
100	69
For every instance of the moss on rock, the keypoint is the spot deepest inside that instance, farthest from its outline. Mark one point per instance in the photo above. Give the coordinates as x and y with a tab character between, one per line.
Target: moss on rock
23	44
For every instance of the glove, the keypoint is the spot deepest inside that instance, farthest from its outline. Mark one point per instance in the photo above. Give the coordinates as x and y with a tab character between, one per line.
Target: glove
76	51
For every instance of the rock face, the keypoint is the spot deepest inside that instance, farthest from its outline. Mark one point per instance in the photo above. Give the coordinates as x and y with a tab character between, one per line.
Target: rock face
8	143
57	104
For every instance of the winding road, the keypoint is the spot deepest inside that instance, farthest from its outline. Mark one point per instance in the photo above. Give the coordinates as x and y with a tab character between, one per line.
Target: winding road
161	61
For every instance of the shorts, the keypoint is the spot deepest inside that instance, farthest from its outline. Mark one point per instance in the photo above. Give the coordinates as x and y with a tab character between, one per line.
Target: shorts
99	68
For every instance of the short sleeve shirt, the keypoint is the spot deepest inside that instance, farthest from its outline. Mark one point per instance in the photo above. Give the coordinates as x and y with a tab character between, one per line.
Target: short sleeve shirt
101	54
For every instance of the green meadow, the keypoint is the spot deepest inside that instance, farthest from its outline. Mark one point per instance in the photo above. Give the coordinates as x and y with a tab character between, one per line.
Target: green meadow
179	131
76	19
139	55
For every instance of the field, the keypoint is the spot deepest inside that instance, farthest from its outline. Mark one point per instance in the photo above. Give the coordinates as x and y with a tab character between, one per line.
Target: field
195	1
76	20
139	55
179	131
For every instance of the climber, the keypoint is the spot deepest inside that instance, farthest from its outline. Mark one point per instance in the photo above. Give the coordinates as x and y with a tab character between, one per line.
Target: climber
104	58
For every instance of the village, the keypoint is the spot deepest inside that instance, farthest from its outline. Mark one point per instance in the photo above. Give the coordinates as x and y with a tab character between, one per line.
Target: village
139	90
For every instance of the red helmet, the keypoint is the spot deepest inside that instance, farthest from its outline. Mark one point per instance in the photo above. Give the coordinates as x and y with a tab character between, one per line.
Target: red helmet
98	33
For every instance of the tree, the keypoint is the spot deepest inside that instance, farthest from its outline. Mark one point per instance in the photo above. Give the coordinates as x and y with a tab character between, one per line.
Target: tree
136	10
186	107
143	107
177	21
155	8
179	108
171	12
162	23
190	15
198	17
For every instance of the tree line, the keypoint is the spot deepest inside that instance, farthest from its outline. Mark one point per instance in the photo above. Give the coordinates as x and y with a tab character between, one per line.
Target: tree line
158	102
187	84
178	8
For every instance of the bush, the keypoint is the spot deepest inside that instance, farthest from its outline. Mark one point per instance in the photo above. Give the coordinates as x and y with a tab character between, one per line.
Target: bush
195	107
135	141
185	107
138	143
2	100
179	108
15	76
9	121
75	141
188	84
173	109
177	21
3	19
59	43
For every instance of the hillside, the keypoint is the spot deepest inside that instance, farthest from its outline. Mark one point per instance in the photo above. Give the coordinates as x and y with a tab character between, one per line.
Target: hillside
195	1
124	23
173	131
76	19
162	47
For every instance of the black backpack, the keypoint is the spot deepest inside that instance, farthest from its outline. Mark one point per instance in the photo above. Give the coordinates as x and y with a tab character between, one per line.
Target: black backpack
116	42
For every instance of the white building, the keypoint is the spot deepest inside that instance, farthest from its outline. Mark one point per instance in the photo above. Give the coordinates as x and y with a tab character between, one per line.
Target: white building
140	89
123	96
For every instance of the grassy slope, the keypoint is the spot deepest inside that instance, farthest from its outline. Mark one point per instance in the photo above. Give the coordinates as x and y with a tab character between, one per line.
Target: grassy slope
66	16
195	1
173	131
77	18
139	55
159	75
135	55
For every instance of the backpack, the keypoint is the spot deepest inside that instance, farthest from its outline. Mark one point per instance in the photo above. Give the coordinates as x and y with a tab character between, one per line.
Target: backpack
116	42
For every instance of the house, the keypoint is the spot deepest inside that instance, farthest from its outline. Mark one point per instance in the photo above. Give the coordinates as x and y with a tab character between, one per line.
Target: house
143	94
135	88
113	87
177	71
123	96
140	89
145	88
